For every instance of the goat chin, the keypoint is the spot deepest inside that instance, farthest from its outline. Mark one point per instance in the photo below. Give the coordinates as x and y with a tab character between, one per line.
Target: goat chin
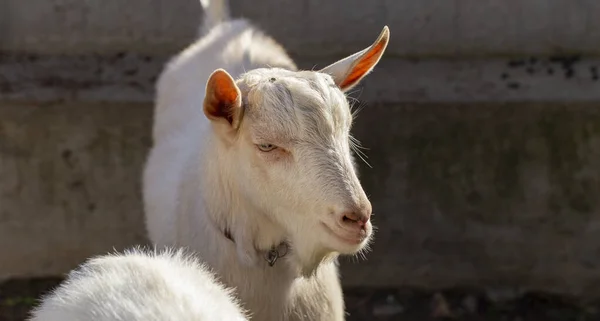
140	286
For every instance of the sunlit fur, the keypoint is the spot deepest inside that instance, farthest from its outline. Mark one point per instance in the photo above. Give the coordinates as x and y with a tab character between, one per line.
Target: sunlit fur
205	176
140	286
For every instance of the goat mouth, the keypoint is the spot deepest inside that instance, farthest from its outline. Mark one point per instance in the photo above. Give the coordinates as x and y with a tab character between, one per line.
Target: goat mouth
348	240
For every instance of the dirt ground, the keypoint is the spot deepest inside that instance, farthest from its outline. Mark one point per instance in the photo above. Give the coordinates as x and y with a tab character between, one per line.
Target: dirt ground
17	297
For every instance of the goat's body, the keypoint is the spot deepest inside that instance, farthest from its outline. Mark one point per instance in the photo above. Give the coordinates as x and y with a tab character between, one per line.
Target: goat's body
182	173
139	286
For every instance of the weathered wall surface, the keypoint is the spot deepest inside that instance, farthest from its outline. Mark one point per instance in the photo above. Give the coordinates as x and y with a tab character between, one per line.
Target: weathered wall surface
485	172
70	177
310	27
497	194
470	194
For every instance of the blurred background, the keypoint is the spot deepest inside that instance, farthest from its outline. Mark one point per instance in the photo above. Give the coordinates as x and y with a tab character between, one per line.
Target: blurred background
482	125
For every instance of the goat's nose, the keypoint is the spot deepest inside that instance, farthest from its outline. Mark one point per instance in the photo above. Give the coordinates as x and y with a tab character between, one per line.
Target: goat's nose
359	216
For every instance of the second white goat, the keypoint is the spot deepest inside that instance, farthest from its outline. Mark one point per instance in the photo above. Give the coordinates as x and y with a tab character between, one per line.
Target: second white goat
140	286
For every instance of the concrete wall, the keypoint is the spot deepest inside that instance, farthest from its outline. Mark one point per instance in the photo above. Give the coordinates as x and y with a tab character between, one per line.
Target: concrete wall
70	177
485	170
310	27
468	194
484	194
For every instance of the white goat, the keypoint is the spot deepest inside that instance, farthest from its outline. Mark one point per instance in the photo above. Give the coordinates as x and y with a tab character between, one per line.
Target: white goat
266	173
140	286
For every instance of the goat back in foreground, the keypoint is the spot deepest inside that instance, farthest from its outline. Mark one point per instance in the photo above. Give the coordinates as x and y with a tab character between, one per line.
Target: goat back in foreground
140	286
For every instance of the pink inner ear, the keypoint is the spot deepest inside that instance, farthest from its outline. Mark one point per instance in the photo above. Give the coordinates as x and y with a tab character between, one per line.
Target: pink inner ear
223	97
224	89
364	65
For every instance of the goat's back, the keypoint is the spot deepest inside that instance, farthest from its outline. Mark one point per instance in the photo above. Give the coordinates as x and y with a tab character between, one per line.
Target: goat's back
140	286
236	46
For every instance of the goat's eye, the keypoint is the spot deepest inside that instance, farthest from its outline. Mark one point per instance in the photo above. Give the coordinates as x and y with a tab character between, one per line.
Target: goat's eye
266	147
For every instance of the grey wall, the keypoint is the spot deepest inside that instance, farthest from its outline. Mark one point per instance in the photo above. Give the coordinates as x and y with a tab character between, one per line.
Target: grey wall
310	27
485	168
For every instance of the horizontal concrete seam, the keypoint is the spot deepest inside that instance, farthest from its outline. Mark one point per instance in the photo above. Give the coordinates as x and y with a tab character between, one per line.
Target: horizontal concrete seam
127	77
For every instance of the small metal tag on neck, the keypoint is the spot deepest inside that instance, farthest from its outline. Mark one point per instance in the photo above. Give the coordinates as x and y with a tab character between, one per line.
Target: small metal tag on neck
275	253
272	255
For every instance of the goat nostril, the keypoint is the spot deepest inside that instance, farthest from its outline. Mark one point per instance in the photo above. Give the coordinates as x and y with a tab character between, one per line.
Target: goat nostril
348	219
353	218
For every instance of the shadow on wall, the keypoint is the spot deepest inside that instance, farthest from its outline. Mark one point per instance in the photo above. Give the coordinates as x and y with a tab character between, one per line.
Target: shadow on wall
5	22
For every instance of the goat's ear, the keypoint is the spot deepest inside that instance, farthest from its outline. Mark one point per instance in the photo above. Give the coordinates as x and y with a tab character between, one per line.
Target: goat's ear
349	71
223	100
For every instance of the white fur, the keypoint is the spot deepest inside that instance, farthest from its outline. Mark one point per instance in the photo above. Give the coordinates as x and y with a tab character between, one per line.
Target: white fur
204	176
140	286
